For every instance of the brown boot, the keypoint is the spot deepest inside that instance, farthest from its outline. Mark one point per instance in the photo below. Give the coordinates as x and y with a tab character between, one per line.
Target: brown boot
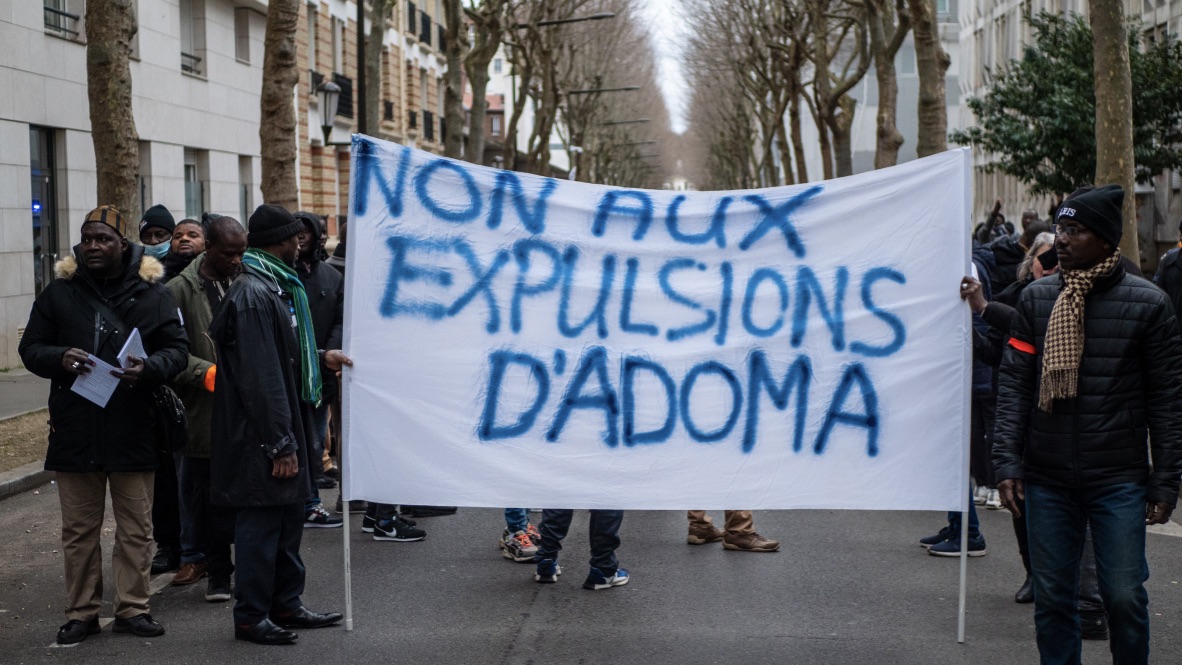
750	542
700	534
188	574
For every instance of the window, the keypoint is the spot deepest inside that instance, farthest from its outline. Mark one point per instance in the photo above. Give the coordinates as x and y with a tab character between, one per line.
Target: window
245	184
941	6
42	175
192	36
196	176
64	18
412	19
498	64
313	32
425	33
145	178
338	46
495	125
242	34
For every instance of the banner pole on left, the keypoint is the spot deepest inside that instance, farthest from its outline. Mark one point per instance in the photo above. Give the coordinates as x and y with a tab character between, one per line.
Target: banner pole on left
347	516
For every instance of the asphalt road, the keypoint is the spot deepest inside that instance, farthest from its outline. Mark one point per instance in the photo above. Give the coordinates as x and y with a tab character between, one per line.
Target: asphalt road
847	587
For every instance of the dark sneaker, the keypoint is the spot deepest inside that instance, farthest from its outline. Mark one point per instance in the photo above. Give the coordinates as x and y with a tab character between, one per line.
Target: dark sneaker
326	483
397	530
367	522
76	630
1093	625
597	579
951	547
319	518
937	538
1025	594
517	546
355	506
547	571
167	559
218	589
534	535
140	625
428	511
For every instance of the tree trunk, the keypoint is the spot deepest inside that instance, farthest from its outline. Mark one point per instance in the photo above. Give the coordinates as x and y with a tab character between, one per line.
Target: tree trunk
782	143
110	26
486	21
931	63
277	117
453	93
379	12
885	39
1114	112
802	167
841	124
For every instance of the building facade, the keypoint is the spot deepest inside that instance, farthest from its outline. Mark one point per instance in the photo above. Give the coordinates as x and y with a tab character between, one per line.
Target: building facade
196	78
994	32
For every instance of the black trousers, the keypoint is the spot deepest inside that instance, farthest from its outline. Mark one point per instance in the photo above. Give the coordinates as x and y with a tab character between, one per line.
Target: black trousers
206	530
981	440
269	577
166	504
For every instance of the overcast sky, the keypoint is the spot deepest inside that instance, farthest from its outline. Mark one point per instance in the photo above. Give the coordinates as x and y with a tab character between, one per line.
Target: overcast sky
667	25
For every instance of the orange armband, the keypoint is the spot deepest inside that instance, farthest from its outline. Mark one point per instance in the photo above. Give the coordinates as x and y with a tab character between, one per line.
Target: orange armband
211	376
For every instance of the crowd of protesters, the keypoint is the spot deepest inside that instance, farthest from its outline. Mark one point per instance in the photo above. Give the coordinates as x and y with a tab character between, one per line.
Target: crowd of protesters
1076	415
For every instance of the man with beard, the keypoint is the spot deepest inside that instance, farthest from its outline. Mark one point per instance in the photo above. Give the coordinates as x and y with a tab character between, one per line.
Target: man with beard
188	240
267	383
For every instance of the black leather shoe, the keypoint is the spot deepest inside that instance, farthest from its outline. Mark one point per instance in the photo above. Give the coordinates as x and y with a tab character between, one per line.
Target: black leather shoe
140	625
306	618
77	630
1093	625
1025	595
265	632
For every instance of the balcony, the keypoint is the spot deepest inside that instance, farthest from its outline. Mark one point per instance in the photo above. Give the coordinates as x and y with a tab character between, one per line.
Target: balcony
190	64
345	105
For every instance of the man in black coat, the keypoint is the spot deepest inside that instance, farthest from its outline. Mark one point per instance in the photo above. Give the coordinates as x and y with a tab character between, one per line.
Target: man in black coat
326	302
105	290
1089	427
267	383
1169	273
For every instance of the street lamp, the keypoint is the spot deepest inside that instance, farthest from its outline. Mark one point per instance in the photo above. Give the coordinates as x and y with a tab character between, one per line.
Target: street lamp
328	96
559	21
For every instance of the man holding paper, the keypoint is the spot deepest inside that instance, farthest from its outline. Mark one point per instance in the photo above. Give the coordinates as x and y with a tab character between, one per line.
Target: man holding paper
98	410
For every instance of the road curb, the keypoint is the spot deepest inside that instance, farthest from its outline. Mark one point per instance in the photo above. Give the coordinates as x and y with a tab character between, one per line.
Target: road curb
23	478
18	415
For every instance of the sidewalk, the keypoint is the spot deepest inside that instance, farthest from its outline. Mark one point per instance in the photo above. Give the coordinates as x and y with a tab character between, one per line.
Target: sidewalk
21	392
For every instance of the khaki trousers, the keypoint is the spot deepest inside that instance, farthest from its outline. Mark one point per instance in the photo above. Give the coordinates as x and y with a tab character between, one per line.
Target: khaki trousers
83	500
737	521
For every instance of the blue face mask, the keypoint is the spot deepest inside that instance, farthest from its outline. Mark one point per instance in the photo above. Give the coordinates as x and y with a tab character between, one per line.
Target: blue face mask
157	251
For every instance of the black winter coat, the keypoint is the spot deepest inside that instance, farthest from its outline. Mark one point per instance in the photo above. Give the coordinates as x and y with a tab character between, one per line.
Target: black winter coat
84	437
258	414
1169	277
1128	408
326	302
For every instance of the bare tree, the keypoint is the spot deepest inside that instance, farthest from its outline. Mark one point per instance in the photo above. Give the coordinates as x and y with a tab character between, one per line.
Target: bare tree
1114	111
888	24
487	18
110	26
379	22
454	49
931	64
277	118
840	55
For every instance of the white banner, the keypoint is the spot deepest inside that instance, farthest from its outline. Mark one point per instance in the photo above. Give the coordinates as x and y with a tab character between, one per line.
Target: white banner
529	342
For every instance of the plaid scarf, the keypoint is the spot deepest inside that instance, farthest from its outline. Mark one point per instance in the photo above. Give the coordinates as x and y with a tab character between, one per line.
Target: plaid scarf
1064	343
285	277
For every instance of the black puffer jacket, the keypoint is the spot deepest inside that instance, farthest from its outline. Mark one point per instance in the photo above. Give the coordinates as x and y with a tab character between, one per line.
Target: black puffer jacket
1169	276
84	437
1129	395
257	413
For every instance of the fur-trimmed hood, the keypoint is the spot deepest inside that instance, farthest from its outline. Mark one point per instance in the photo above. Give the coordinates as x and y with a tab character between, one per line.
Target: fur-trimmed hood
150	269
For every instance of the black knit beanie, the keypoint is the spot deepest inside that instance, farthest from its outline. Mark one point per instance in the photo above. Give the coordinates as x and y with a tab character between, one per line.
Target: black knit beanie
1098	208
158	215
270	225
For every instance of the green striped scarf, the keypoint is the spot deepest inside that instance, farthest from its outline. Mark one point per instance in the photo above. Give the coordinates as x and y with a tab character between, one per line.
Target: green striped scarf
285	276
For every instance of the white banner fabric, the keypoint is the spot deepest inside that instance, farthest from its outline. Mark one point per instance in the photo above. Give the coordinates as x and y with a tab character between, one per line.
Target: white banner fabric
532	342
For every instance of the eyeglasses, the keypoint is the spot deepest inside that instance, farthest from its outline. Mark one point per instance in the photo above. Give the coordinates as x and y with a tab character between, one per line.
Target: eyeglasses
1069	231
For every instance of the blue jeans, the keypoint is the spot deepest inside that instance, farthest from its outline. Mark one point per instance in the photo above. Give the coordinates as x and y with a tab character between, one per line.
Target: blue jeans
319	433
974	523
516	519
206	530
604	530
1057	518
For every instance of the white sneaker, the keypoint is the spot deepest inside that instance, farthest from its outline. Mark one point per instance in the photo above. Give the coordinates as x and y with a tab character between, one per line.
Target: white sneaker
993	501
980	495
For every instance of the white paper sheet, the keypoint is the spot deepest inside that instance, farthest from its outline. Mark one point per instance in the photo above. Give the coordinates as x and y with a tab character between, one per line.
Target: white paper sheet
134	346
97	385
